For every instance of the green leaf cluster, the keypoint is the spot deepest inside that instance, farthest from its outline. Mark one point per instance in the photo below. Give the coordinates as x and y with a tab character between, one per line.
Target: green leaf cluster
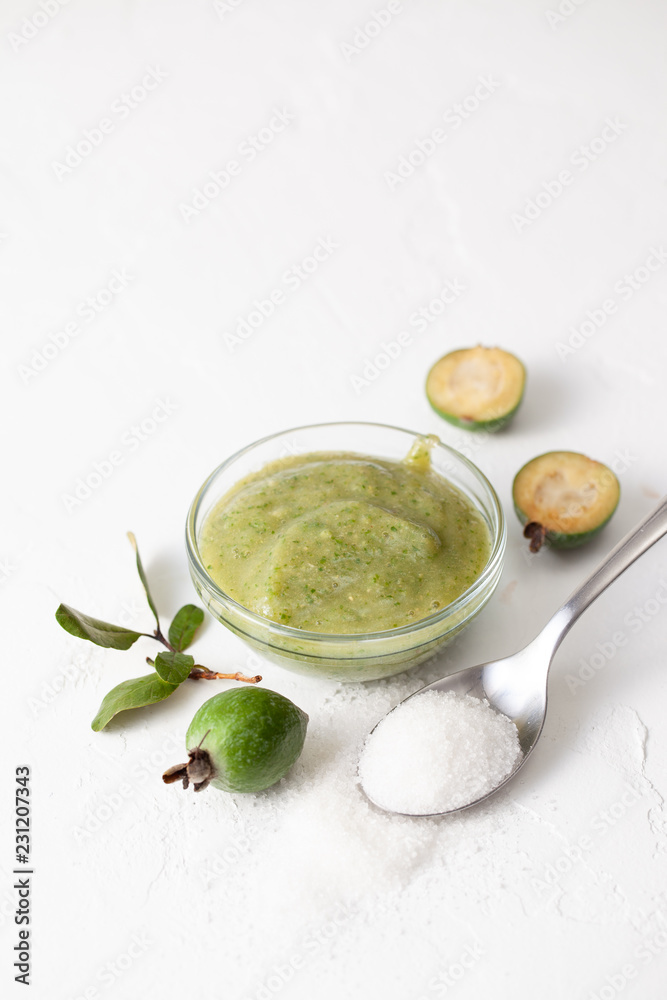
171	667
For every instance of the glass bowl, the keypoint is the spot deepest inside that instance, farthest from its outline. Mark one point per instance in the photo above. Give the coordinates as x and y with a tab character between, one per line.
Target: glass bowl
359	656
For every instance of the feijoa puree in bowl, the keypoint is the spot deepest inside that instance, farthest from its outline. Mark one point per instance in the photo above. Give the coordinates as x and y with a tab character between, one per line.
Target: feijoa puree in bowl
336	542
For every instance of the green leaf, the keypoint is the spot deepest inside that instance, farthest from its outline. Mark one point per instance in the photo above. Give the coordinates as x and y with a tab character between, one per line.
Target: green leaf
174	667
135	693
185	624
142	575
99	632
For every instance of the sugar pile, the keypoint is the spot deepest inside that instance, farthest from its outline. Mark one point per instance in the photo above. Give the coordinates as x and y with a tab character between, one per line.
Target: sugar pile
438	751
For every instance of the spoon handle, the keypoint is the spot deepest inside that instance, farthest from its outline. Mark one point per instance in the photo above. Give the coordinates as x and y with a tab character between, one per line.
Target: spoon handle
635	544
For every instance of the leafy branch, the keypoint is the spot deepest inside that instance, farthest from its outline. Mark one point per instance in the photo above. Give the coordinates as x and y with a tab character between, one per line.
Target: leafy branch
171	668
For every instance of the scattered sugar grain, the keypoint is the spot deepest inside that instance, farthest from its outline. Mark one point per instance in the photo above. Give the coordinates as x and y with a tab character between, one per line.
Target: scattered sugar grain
438	751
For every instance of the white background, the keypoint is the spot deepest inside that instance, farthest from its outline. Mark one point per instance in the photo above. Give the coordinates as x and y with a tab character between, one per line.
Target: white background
556	887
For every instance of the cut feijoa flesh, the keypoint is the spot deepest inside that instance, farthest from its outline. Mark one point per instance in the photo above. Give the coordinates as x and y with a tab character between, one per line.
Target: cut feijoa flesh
478	388
564	498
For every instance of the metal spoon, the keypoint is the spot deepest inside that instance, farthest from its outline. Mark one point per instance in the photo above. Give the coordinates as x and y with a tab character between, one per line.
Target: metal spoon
517	685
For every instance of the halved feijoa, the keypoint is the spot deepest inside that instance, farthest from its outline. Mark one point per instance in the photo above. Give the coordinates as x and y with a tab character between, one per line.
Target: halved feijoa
564	498
478	388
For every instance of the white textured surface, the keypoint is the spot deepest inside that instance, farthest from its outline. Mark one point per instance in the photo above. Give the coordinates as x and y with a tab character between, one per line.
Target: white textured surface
559	883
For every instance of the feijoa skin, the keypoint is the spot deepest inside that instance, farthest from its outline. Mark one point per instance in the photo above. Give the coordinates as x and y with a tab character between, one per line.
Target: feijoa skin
477	388
242	740
564	498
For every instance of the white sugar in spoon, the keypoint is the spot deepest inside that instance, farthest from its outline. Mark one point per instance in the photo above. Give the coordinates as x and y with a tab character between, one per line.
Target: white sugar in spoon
517	685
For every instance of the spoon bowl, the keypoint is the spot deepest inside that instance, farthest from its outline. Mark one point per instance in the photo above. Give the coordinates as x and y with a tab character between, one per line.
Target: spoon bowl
516	686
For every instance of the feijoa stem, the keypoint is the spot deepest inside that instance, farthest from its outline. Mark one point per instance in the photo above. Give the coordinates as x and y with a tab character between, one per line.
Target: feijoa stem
199	768
199	673
537	533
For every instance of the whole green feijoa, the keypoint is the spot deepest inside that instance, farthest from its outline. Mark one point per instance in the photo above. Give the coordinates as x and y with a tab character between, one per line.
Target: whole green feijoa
242	740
